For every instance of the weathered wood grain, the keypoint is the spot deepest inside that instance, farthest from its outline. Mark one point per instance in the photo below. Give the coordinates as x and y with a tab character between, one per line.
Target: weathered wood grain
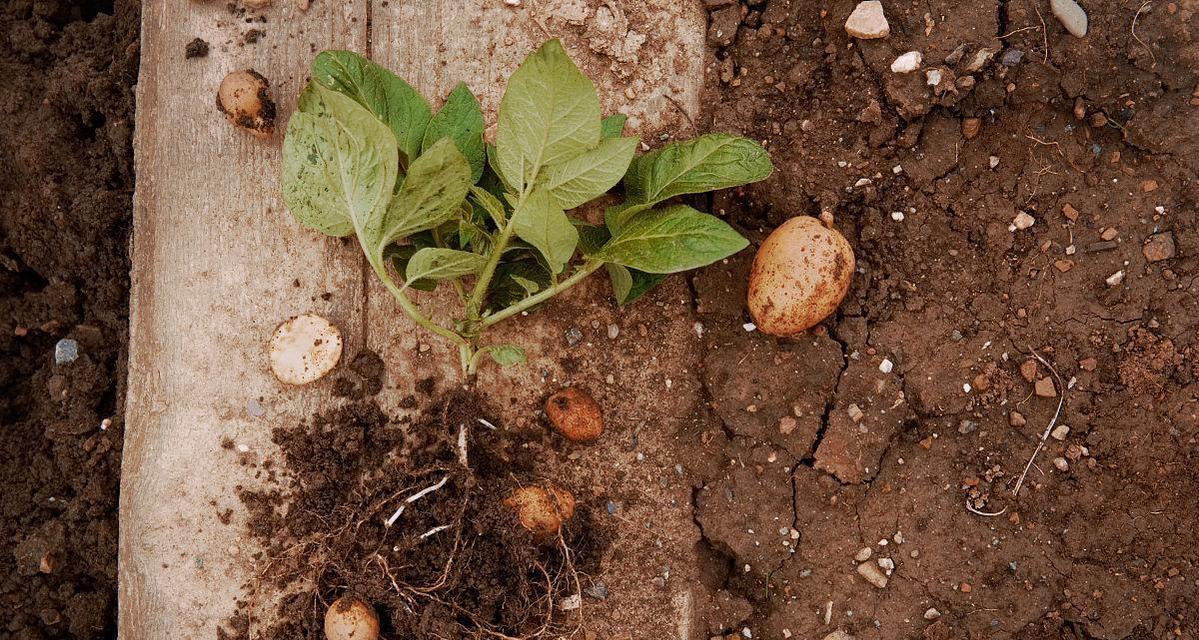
217	264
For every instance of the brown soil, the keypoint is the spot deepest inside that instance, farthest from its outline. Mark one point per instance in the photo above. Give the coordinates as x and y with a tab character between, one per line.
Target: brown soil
1098	542
66	180
455	563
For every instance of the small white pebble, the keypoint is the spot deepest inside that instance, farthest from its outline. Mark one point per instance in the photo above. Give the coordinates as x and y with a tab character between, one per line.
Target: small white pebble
1023	221
994	160
1115	279
897	169
749	326
243	448
966	387
1061	464
897	216
908	63
886	365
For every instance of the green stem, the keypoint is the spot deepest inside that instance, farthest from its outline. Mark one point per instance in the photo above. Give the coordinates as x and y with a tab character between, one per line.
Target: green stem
414	312
587	269
493	260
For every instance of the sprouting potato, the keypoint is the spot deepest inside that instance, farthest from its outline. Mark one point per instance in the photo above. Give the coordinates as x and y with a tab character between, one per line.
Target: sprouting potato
350	618
244	97
575	414
304	348
542	510
799	276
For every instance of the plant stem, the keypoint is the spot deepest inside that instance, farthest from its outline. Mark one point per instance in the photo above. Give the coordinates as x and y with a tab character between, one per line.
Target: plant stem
493	260
587	269
414	312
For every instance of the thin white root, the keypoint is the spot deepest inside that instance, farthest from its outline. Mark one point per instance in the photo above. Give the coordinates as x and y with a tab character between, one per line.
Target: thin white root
487	424
434	531
414	497
1048	429
462	459
1152	57
987	514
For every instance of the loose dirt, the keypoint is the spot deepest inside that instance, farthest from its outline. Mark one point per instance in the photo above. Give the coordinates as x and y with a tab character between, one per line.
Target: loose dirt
409	515
1095	140
66	180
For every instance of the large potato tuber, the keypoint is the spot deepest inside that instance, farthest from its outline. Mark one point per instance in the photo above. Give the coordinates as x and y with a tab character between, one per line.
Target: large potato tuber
799	276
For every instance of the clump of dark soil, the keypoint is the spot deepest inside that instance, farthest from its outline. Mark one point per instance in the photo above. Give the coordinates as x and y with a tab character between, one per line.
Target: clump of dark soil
66	181
408	515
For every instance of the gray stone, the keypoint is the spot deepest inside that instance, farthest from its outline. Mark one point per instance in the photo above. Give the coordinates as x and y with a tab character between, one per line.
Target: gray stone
66	351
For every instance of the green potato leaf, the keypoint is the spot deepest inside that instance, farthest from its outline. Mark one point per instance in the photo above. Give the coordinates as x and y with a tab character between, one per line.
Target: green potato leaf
550	112
515	281
430	196
435	263
506	355
709	162
590	174
391	99
616	215
630	284
612	126
490	204
670	240
461	120
542	223
339	165
591	237
400	254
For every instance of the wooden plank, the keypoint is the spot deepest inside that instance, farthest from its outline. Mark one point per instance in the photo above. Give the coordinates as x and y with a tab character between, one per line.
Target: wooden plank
217	263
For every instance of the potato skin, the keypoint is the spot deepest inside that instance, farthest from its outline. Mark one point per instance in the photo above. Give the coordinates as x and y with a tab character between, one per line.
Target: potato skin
542	510
799	276
245	99
350	618
575	414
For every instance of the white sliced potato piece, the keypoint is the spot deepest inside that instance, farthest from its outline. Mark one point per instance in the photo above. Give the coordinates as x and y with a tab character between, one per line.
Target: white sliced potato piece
304	349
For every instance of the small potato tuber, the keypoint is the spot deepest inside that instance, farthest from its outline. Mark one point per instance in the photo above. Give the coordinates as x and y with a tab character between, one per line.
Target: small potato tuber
542	510
799	276
575	414
245	99
350	618
304	348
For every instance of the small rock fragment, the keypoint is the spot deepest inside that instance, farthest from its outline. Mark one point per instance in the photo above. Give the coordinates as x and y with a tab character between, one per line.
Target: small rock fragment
1061	464
867	22
971	127
863	554
1060	432
66	351
873	574
1023	221
1159	246
1044	388
1115	279
980	59
1011	57
1072	16
907	62
1028	370
1016	419
932	614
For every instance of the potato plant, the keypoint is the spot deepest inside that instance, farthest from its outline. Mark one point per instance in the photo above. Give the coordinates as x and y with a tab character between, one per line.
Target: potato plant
431	203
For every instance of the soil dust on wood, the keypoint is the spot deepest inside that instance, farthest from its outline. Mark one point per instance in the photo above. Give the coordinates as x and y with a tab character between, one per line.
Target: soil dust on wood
66	180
